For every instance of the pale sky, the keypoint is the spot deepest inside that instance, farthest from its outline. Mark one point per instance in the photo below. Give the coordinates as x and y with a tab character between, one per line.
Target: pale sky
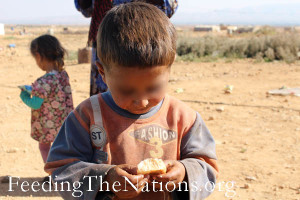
22	11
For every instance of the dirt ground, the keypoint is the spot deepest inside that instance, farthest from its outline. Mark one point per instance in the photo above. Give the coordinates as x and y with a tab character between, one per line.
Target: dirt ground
257	136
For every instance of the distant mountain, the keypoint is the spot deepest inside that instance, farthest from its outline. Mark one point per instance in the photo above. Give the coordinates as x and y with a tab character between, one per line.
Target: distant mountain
271	14
67	20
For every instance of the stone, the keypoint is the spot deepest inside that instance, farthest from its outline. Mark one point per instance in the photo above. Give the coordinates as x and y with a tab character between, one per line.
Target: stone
220	109
281	187
210	118
250	178
173	79
246	186
12	150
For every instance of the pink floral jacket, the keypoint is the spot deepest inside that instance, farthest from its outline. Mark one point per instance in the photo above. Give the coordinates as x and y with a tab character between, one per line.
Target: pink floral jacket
55	89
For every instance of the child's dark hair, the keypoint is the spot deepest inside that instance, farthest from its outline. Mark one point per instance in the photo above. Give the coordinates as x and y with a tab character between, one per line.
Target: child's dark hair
136	34
50	49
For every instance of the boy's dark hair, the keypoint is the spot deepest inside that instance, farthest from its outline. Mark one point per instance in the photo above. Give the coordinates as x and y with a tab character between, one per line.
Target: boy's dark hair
136	34
50	49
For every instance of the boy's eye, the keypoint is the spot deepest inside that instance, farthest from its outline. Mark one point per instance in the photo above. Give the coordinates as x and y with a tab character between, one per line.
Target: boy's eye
126	92
153	89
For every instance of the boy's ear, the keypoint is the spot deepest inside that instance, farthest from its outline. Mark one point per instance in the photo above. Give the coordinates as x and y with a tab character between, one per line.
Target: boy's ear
101	70
38	57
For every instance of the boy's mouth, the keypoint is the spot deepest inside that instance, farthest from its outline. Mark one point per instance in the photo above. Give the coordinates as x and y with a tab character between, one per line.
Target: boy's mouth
140	111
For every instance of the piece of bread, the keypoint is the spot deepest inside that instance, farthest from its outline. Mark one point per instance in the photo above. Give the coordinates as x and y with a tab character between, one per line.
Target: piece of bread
152	166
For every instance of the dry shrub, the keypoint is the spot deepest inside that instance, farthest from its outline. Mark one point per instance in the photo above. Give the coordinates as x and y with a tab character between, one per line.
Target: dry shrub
269	54
283	46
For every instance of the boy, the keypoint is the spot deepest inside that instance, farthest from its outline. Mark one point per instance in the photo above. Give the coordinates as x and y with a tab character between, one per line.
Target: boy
105	137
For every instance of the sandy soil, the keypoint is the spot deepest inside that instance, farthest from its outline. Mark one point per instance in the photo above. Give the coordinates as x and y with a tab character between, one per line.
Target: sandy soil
257	136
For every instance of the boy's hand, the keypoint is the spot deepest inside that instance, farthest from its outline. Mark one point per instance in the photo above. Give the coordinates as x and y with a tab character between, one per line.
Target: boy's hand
175	173
117	174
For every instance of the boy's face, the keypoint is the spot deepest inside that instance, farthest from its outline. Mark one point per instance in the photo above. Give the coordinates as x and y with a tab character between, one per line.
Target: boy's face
136	90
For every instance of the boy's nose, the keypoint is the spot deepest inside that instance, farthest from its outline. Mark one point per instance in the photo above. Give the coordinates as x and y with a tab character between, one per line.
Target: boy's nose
142	103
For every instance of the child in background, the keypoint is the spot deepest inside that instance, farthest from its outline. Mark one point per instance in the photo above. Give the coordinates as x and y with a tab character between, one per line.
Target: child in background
96	9
50	97
102	141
